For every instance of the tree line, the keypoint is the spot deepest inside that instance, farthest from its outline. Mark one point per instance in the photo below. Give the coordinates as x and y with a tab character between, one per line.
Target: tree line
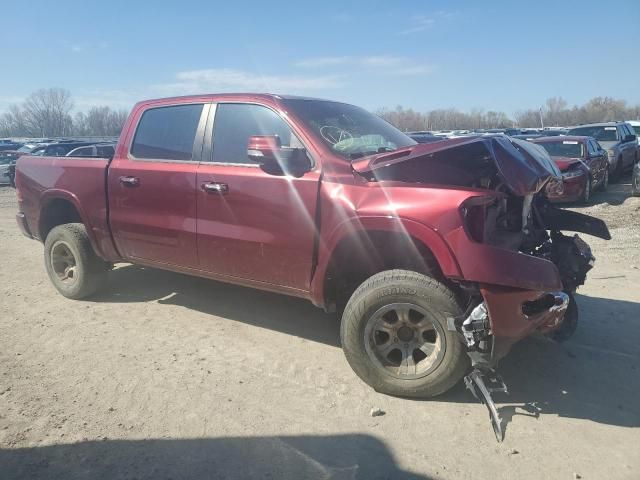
555	113
50	113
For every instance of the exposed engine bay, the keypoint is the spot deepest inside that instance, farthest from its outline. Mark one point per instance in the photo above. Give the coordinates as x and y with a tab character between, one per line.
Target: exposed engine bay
514	215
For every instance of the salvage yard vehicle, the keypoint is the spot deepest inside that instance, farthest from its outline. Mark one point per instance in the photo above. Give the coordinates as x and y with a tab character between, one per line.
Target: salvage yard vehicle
584	166
618	139
97	150
438	256
635	181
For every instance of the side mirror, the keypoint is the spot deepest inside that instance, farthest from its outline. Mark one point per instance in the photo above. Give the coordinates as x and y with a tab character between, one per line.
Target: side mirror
267	150
630	138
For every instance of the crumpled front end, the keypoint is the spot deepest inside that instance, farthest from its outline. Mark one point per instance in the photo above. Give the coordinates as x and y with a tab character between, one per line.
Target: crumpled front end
516	266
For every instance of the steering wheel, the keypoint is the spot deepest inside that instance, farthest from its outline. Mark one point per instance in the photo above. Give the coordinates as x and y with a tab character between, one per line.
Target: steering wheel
335	135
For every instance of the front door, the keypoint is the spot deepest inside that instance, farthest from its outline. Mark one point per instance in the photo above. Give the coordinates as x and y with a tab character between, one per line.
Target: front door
152	188
253	225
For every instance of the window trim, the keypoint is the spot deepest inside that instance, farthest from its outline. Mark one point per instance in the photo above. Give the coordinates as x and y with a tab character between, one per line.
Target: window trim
207	148
196	149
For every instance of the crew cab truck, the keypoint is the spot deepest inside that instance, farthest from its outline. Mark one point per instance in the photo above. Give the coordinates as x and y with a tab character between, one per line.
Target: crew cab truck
437	256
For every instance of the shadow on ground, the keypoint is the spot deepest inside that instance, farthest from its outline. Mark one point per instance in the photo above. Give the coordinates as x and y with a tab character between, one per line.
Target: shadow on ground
616	194
327	457
290	315
594	376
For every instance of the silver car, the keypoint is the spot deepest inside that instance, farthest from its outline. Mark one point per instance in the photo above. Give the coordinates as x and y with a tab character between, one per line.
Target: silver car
618	139
5	163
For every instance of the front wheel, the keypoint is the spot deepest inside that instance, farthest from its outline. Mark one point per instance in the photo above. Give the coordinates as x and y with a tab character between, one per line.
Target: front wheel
635	181
73	267
605	181
586	193
394	335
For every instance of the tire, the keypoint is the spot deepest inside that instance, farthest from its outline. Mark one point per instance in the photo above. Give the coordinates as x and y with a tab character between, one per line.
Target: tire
73	267
569	323
429	302
586	193
617	173
605	182
635	182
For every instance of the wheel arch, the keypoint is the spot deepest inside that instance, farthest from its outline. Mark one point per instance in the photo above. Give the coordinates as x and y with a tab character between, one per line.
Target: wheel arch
59	207
362	247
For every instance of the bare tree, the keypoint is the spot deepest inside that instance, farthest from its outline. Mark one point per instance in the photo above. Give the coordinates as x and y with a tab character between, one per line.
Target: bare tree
47	113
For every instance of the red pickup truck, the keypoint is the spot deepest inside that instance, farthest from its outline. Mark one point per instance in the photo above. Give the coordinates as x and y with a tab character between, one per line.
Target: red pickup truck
437	256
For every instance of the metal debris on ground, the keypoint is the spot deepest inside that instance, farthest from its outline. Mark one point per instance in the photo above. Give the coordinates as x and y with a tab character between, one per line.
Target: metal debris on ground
480	389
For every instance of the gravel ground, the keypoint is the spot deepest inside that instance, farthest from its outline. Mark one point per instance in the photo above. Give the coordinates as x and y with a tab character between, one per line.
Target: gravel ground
168	376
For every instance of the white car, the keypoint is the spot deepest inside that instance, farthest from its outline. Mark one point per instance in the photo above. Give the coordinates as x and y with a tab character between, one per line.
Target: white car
5	179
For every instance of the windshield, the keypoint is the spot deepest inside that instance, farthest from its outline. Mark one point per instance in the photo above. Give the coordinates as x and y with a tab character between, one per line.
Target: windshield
25	149
603	134
349	131
566	148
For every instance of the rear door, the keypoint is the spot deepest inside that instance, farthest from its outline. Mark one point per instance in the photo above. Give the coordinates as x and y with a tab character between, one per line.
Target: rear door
254	226
152	187
628	147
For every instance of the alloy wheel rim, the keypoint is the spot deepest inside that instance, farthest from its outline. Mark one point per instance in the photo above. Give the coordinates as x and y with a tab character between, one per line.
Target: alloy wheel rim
63	263
404	340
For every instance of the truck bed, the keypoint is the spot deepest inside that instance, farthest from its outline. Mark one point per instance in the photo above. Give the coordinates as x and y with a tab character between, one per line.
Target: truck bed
80	180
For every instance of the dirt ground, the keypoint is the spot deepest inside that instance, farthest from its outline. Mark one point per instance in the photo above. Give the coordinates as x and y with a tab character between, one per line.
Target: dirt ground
168	376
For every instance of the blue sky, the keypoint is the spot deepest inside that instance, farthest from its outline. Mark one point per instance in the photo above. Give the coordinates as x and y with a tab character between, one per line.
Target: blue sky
422	54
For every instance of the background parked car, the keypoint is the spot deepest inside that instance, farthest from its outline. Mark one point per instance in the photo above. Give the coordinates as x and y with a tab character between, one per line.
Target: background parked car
9	145
424	137
99	150
5	163
58	149
635	181
618	138
583	163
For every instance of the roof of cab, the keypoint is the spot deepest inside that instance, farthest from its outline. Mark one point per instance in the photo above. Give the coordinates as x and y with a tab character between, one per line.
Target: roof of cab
223	96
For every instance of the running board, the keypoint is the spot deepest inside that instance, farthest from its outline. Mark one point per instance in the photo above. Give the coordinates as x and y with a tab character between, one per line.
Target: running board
481	383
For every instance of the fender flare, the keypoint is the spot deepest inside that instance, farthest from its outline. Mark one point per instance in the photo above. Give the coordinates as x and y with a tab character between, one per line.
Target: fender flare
50	195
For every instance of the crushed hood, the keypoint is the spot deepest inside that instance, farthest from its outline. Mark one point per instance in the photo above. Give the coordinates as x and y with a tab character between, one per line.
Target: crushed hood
523	166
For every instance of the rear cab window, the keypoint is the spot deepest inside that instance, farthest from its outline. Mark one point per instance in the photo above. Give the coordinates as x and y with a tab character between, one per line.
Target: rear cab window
167	133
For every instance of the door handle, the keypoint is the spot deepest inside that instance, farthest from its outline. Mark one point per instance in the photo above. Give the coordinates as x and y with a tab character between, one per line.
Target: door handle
130	181
215	187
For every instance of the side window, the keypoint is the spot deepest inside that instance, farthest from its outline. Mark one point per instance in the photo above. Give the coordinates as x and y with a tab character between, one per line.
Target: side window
592	147
236	122
105	151
622	132
82	152
167	133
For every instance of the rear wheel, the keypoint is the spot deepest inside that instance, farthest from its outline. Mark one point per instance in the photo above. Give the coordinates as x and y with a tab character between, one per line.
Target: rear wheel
73	267
394	335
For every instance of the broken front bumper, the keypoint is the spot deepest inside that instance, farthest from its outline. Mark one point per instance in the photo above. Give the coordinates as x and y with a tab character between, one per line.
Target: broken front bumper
513	314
